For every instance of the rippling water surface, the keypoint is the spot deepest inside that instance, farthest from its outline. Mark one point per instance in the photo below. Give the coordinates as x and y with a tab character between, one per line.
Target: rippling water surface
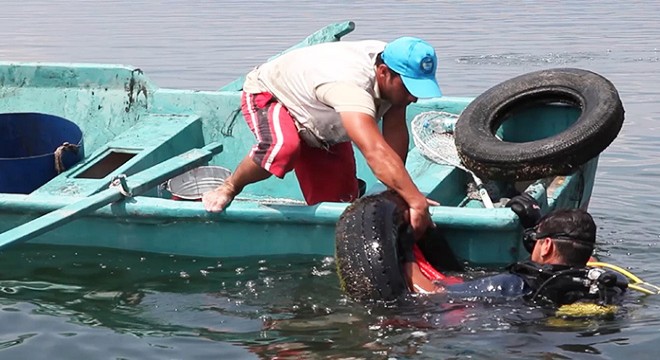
71	303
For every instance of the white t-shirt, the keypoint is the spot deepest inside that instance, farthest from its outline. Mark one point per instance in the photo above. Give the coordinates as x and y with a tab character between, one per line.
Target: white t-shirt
317	82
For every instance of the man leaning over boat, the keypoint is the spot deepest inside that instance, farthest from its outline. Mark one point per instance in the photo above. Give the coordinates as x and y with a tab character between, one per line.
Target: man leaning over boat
306	107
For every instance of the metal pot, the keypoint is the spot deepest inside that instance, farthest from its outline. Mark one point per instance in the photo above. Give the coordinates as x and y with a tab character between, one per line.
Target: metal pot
194	183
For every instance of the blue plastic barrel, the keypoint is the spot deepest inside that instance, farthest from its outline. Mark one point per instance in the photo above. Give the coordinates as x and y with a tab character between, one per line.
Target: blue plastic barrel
27	149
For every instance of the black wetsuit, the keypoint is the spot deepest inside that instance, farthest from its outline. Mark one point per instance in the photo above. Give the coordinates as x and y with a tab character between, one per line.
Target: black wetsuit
550	284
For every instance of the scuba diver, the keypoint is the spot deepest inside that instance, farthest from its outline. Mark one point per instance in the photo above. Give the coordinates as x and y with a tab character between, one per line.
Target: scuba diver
561	245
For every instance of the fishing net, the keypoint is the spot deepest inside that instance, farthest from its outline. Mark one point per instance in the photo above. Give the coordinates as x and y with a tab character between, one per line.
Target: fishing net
433	134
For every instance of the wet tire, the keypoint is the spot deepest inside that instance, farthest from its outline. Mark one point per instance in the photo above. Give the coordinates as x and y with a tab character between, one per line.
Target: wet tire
366	248
561	154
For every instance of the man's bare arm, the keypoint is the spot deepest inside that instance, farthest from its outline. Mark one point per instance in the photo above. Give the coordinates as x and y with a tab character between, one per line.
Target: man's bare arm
387	165
395	131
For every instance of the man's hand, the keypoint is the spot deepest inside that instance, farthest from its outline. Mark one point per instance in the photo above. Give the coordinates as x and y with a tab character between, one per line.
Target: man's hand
420	218
217	200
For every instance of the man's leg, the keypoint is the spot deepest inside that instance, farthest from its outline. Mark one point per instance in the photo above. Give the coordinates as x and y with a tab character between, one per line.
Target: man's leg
327	175
276	150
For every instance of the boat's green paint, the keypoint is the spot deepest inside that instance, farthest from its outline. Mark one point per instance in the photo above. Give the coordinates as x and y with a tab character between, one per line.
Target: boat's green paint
120	111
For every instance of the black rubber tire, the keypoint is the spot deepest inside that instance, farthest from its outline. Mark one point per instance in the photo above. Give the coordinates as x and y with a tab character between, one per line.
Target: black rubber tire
561	154
366	248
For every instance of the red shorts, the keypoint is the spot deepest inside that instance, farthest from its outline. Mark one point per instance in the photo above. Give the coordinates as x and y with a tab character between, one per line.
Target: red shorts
323	175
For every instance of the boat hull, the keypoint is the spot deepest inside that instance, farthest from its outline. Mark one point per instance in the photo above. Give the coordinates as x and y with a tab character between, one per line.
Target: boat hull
481	238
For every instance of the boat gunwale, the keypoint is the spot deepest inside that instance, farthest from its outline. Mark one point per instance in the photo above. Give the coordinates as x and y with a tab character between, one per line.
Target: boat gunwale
142	208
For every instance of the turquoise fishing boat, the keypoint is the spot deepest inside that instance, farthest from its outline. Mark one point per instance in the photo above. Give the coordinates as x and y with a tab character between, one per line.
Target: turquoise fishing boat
91	154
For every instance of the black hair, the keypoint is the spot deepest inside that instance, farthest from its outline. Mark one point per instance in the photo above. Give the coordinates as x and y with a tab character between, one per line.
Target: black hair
575	231
379	61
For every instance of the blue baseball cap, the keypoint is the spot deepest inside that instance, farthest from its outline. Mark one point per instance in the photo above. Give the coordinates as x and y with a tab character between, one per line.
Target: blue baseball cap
414	59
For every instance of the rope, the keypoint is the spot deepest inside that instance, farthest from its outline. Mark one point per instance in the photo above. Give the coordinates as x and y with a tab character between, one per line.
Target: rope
228	127
59	166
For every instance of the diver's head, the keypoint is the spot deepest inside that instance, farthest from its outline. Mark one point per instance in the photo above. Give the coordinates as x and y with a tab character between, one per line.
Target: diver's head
566	237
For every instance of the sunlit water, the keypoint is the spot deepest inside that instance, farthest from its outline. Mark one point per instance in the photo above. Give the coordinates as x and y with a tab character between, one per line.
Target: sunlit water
74	303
